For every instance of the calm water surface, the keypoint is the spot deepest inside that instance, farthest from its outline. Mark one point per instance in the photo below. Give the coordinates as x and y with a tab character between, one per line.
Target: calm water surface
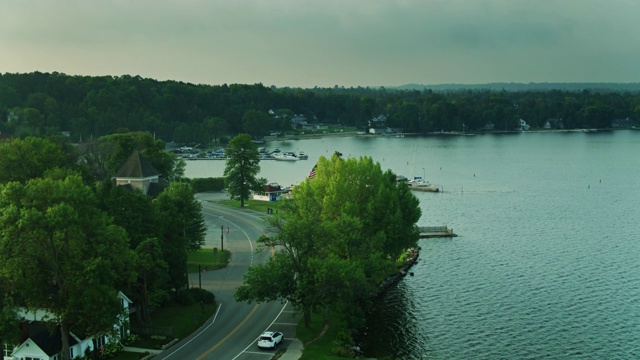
546	265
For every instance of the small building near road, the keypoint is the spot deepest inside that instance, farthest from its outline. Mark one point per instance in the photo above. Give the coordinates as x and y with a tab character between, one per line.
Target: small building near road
272	192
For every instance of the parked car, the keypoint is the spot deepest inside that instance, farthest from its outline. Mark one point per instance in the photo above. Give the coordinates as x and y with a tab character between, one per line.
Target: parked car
270	339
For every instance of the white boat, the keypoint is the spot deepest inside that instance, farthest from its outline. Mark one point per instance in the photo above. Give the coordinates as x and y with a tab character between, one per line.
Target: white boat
302	156
419	184
285	157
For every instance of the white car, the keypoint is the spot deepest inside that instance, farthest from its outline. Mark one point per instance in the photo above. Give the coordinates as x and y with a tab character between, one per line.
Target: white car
270	339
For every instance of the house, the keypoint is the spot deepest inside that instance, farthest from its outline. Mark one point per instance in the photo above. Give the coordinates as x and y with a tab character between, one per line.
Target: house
298	121
272	192
138	173
553	123
489	126
378	121
523	126
40	341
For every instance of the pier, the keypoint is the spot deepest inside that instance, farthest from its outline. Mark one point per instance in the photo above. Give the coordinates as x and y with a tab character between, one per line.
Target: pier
436	231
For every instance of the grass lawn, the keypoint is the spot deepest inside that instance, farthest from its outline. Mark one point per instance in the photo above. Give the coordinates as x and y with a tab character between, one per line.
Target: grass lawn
207	260
315	347
256	205
184	319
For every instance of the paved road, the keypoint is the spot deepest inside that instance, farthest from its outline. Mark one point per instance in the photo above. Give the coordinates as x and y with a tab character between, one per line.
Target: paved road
234	329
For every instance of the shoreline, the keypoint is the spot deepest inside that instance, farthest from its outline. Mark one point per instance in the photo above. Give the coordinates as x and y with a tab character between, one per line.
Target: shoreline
437	133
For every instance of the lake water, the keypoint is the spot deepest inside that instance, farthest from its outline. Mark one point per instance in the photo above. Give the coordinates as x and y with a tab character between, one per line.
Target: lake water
546	264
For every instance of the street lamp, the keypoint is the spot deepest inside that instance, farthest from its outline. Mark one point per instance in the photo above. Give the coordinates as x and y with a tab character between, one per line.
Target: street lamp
221	237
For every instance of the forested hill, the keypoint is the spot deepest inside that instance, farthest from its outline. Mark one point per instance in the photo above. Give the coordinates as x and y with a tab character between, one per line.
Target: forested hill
499	86
86	107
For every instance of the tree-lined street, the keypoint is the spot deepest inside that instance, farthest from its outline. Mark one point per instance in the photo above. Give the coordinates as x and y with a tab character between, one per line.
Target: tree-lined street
233	331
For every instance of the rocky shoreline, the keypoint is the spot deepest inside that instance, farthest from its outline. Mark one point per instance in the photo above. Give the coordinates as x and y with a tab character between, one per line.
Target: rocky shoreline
412	258
385	285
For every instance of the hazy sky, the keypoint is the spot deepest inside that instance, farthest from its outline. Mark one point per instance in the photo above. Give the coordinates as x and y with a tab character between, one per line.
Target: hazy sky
307	43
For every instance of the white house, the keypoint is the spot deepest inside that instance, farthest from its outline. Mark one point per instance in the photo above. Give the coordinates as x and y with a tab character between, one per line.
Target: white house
523	126
37	342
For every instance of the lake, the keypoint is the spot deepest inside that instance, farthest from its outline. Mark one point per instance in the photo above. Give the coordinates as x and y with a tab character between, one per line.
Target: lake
546	261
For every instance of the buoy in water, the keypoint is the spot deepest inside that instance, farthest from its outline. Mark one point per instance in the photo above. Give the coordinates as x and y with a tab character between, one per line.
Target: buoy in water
411	273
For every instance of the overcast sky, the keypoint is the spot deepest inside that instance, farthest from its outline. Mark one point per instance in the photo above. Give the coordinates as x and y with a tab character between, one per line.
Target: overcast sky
307	43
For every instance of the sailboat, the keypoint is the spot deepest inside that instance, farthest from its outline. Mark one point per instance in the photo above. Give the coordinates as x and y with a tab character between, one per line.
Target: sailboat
418	183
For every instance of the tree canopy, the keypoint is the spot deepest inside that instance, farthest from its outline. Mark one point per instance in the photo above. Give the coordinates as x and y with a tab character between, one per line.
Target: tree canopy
337	238
88	107
62	254
242	166
182	230
28	158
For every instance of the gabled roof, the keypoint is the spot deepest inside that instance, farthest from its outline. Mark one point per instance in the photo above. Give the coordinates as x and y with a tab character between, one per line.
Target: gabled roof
50	343
137	167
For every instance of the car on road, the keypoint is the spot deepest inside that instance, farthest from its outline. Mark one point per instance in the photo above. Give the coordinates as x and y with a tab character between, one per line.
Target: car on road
270	339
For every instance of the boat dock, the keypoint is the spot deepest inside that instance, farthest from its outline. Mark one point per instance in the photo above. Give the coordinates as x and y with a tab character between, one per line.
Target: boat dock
436	231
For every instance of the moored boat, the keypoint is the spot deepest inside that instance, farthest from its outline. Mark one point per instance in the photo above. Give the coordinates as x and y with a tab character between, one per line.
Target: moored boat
285	157
419	184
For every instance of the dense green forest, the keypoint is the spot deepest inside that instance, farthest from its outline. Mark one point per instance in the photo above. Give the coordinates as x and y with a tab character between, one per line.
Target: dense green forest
87	107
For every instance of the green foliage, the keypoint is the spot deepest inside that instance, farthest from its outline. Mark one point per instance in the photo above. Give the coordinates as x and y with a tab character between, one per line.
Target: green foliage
256	123
205	259
151	287
122	145
335	241
202	295
62	254
184	297
323	336
242	167
207	184
184	319
41	104
132	210
9	321
25	159
111	350
182	229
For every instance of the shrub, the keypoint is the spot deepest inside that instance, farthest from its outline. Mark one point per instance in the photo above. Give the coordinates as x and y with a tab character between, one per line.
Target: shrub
184	297
202	295
207	184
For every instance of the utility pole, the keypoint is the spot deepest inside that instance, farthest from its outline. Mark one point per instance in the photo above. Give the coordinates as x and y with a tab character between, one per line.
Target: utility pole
221	237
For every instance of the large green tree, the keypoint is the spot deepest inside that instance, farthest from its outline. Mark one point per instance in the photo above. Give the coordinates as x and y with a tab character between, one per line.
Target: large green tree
28	158
150	288
182	230
336	240
62	254
242	166
138	215
257	123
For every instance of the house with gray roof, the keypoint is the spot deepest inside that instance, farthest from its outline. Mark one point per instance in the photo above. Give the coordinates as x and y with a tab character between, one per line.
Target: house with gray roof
138	173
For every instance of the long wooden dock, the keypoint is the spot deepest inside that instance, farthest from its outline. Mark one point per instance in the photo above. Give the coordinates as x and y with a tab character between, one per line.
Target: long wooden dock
436	231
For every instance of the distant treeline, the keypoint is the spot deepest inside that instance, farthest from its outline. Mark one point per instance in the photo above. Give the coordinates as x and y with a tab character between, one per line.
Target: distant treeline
40	104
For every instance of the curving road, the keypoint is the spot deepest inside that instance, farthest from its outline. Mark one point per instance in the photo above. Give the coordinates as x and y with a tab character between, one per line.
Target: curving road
235	327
